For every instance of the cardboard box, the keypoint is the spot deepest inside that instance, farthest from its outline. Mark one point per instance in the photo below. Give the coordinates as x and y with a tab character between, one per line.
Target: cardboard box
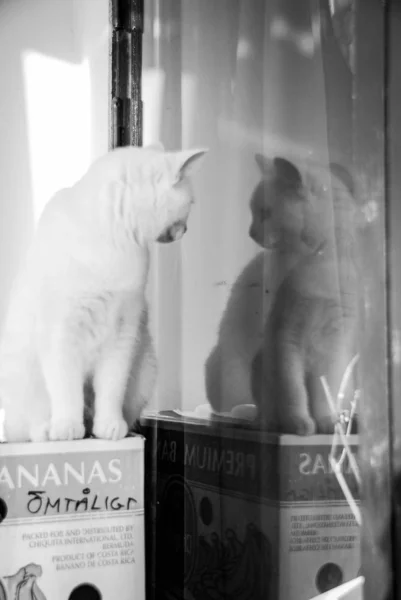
72	520
236	513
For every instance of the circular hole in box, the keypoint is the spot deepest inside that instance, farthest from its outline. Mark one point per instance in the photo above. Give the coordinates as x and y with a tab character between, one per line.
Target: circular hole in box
85	591
329	577
3	510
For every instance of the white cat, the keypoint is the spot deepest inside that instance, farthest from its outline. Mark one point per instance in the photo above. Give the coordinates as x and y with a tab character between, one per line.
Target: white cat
293	312
78	314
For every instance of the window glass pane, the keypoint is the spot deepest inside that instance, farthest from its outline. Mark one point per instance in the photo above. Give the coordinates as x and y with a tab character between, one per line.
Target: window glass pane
273	306
271	436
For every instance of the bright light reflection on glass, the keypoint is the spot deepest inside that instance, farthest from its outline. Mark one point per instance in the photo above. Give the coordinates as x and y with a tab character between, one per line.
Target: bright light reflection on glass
58	114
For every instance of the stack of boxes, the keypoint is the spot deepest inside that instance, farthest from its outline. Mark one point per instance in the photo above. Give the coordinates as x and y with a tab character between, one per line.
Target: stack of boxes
231	512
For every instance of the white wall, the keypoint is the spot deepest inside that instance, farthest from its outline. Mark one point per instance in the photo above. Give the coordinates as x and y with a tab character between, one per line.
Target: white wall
53	110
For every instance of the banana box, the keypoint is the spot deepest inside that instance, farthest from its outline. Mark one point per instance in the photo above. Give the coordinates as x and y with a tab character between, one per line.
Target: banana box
72	520
233	512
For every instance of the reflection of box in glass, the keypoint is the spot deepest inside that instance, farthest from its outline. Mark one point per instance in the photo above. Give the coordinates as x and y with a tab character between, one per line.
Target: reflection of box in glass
72	523
241	514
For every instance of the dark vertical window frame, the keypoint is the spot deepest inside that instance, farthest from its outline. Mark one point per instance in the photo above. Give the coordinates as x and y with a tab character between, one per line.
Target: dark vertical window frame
126	20
370	162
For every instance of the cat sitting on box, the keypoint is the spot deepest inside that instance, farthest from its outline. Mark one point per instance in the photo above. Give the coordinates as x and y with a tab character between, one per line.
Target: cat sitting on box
78	314
293	313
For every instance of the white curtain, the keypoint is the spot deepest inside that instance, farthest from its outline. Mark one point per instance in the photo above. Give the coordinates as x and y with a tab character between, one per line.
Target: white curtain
239	77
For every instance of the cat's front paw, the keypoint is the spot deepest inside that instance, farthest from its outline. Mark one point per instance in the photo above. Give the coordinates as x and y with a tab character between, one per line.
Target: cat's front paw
298	424
66	429
39	432
110	429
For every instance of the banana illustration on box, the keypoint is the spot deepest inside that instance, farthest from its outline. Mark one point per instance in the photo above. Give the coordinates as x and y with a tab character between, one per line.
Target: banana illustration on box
22	585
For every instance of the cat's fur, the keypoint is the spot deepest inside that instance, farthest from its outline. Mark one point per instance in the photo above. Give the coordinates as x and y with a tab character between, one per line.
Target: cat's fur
293	313
78	314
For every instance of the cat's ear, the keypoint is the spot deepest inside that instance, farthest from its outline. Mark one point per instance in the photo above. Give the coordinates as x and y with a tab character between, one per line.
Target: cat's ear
344	176
265	164
186	163
282	168
287	172
157	146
